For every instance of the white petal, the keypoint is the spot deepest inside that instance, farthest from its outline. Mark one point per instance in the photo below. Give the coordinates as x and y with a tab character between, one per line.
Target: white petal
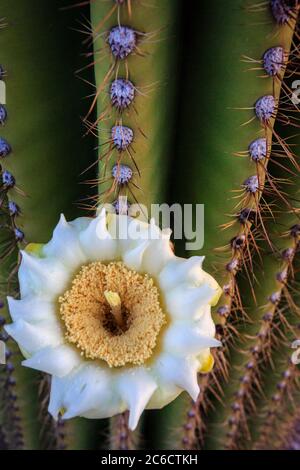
182	373
179	270
157	254
58	361
65	245
31	309
187	302
205	322
81	223
58	386
130	232
42	277
136	388
97	242
185	339
32	338
163	396
133	258
89	393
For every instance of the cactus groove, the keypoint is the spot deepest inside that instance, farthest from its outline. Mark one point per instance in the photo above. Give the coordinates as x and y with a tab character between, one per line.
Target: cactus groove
172	112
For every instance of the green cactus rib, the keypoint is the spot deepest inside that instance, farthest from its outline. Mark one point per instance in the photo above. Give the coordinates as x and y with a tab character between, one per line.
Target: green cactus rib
151	70
265	338
281	393
277	410
52	434
121	436
253	387
40	56
225	138
267	334
290	439
11	422
257	360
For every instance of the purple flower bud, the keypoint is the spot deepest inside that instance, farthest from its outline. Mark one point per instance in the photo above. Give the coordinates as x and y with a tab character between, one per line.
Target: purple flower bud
122	137
122	41
8	179
5	148
273	60
122	174
251	184
3	114
258	149
2	72
19	235
122	93
246	215
264	108
282	10
121	206
275	298
13	208
223	311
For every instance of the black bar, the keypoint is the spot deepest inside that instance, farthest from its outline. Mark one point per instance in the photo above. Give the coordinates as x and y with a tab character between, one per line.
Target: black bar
136	459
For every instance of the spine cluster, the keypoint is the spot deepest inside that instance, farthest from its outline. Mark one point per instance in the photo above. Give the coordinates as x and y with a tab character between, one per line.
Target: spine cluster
251	215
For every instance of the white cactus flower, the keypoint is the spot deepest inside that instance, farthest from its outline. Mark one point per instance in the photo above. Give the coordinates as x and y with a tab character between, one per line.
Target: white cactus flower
117	320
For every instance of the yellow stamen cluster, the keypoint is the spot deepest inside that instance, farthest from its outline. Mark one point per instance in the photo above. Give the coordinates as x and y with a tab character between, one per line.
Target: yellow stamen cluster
88	310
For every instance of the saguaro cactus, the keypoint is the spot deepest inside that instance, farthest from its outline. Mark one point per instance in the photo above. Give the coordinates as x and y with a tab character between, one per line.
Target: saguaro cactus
178	108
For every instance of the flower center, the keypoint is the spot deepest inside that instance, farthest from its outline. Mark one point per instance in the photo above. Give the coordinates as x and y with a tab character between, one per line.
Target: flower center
112	313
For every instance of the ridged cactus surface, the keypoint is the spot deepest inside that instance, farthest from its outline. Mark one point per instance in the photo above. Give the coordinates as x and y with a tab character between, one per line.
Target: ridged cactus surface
134	103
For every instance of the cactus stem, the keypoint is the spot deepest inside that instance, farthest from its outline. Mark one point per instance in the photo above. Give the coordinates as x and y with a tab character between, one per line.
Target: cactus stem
121	436
276	408
194	425
290	439
251	214
11	427
191	426
259	352
52	433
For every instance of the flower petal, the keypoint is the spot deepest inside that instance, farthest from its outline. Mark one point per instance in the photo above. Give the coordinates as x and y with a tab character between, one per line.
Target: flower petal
179	270
96	241
81	223
156	255
65	245
32	338
133	258
205	322
136	388
130	232
58	361
88	393
31	309
41	277
185	302
181	372
58	386
185	339
165	394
